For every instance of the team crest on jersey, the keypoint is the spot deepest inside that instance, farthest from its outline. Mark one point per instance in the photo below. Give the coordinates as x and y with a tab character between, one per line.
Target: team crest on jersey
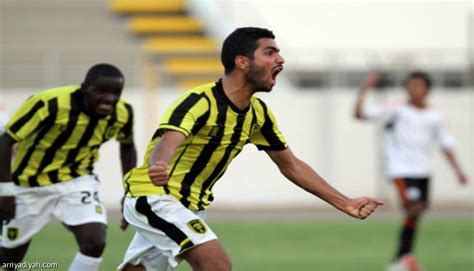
255	127
197	226
12	233
98	209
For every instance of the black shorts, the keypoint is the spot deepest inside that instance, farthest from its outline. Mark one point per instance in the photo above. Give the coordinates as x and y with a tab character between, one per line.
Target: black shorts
413	190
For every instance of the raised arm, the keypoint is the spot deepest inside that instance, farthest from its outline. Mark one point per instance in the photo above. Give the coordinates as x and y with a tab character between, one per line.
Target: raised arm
370	81
305	177
161	156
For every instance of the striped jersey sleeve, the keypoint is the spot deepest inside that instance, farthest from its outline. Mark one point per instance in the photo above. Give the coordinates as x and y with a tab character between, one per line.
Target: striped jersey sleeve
265	134
184	112
27	118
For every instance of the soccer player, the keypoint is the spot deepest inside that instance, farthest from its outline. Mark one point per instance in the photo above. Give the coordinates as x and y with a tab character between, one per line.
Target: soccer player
58	134
196	140
411	128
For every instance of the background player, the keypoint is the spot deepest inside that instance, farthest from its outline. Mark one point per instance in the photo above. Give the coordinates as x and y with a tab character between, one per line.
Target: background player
195	142
59	132
411	128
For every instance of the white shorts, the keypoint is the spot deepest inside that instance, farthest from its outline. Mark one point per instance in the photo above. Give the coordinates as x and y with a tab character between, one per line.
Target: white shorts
165	229
74	202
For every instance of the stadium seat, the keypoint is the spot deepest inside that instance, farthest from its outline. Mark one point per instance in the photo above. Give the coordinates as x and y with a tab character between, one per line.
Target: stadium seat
148	6
181	45
193	66
164	25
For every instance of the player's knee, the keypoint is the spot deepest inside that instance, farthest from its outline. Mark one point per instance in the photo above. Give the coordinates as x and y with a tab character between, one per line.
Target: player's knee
130	267
91	239
415	209
92	246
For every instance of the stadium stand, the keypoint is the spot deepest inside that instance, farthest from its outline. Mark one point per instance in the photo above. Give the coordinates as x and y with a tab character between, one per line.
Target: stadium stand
177	40
48	43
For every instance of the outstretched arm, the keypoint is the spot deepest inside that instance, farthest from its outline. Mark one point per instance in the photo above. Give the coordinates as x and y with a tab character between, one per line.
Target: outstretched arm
305	177
449	154
370	81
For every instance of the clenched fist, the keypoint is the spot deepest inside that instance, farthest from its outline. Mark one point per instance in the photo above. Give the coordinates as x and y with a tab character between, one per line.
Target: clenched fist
158	173
362	207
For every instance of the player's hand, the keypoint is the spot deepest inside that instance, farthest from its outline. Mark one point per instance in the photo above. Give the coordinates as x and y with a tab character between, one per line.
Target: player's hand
362	207
158	173
370	81
123	222
462	178
7	208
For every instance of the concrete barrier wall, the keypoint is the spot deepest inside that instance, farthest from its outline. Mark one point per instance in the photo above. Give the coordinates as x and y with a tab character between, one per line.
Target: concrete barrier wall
320	129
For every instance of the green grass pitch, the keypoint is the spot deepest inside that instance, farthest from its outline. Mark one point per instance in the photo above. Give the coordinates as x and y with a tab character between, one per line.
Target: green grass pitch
328	245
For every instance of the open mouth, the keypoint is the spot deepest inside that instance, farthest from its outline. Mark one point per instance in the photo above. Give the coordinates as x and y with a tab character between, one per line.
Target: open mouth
276	71
105	107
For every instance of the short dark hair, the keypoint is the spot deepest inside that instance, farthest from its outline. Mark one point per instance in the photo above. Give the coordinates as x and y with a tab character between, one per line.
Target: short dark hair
243	42
419	75
102	70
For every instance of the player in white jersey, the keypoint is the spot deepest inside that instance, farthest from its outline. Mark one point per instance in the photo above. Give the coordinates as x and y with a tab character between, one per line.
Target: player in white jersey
411	130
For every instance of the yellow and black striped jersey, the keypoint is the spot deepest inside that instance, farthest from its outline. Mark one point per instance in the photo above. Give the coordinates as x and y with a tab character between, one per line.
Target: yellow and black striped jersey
216	131
57	140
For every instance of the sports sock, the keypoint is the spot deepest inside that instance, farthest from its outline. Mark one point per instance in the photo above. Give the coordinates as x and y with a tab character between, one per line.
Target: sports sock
82	262
407	237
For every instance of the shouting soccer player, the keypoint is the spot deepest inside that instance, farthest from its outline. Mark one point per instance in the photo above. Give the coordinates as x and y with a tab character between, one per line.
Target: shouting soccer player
58	134
197	138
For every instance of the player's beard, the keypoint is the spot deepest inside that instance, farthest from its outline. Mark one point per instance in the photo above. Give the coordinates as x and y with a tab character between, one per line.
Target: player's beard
253	77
